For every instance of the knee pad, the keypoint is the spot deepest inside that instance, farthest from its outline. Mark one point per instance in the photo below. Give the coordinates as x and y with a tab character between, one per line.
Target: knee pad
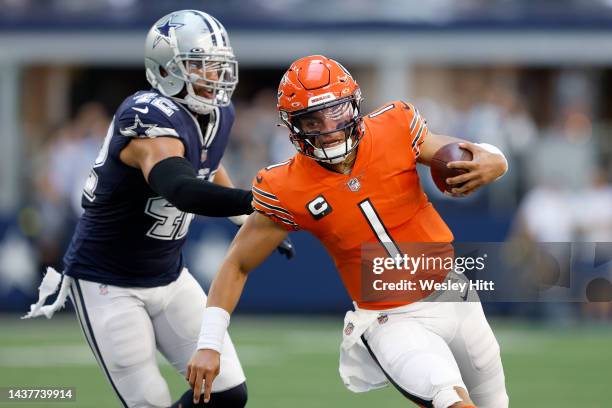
127	334
491	393
146	388
498	399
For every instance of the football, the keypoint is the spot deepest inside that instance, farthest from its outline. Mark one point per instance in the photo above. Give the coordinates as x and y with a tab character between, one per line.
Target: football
439	172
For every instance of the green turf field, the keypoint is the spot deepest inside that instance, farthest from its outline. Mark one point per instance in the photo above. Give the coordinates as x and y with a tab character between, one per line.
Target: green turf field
292	362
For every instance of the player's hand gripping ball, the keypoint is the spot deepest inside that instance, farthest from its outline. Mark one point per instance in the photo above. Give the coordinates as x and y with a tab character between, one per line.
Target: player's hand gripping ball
459	169
439	170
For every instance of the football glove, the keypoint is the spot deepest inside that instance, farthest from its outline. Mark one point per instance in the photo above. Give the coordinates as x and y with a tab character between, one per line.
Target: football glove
286	248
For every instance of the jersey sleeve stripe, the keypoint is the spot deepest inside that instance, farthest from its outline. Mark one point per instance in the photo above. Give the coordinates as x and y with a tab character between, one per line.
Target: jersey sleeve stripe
278	217
151	131
418	135
272	207
265	194
159	131
418	139
415	119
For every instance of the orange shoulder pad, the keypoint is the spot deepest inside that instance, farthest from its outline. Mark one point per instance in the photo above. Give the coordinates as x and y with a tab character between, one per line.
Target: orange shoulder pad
265	198
410	123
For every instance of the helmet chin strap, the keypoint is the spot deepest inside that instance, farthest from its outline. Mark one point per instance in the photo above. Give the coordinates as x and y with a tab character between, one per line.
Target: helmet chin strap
193	104
197	106
337	153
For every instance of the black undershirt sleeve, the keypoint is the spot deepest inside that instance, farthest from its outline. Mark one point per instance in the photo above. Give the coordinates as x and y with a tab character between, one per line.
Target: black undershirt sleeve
175	179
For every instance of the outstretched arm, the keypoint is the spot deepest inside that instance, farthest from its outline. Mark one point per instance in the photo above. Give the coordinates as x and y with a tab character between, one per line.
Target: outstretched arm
255	241
222	178
171	176
487	165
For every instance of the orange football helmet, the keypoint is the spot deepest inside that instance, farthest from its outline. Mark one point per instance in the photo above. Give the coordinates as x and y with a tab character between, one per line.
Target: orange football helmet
318	101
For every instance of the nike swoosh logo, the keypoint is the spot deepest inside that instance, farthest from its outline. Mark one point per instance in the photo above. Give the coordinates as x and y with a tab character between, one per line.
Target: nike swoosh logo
144	110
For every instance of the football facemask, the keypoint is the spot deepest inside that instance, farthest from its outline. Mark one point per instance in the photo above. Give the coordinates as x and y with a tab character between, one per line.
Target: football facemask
209	79
327	132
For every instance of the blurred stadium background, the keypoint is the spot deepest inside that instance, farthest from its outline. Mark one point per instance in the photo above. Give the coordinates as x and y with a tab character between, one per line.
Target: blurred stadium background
532	77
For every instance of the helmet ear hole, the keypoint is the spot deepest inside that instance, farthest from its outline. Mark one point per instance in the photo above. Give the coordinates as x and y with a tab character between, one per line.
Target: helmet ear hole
162	72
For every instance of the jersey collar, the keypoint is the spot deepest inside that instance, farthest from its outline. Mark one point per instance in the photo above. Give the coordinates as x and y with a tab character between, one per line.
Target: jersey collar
195	120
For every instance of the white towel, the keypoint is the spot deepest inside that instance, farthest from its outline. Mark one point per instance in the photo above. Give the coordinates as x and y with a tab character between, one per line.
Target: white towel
48	287
358	370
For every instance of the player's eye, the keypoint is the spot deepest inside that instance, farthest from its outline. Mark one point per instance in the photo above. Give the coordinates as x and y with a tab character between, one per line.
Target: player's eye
311	125
194	65
342	124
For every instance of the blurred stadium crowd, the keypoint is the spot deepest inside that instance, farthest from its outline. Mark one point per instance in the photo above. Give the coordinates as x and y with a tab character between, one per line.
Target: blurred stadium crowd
552	122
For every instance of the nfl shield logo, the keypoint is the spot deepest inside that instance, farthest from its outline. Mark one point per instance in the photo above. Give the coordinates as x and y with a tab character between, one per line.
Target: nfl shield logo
349	329
354	185
103	290
382	319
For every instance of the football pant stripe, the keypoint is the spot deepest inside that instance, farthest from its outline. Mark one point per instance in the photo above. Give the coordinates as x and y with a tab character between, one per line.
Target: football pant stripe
411	397
83	317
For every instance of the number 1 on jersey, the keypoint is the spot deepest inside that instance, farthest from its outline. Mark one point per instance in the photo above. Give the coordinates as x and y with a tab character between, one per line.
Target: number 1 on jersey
379	228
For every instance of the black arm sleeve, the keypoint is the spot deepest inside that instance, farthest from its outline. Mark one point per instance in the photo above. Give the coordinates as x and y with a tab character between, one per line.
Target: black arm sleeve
175	179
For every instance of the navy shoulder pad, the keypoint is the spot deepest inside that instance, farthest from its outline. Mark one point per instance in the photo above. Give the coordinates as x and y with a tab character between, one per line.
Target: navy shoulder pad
148	114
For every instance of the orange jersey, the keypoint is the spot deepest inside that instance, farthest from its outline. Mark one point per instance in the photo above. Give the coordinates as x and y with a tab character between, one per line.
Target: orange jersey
381	197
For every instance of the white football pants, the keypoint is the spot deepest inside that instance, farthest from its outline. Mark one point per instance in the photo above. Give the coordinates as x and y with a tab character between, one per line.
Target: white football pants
125	326
425	351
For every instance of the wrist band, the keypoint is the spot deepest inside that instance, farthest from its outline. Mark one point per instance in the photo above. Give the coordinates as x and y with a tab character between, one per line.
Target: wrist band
214	326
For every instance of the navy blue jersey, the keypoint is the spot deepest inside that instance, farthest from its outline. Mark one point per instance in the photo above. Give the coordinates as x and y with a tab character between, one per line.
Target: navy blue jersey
129	235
